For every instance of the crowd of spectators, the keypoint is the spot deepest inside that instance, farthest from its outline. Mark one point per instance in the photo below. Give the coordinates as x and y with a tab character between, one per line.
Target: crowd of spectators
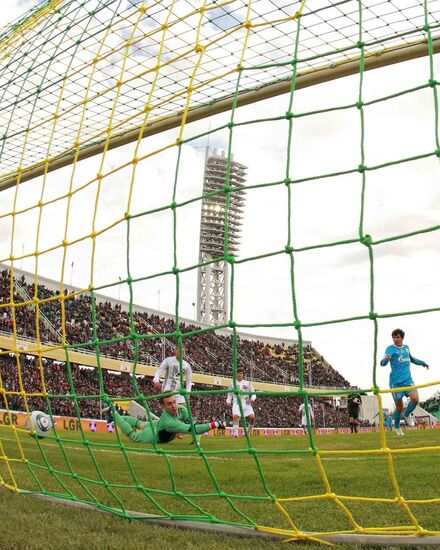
108	326
74	390
89	324
272	411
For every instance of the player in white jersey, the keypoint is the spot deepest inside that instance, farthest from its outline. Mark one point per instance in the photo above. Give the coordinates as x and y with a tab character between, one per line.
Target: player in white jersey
246	403
169	370
302	410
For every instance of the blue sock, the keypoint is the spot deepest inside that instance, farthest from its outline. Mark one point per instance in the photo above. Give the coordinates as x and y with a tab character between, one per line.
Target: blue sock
396	419
409	409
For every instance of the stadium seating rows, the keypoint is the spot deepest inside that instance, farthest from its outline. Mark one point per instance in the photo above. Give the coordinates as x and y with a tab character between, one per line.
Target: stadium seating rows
208	352
271	411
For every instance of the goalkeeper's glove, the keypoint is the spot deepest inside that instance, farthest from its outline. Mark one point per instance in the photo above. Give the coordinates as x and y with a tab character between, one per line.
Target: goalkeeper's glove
107	399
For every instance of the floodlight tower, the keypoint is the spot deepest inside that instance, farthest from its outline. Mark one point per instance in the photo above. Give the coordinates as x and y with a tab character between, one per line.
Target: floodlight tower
212	284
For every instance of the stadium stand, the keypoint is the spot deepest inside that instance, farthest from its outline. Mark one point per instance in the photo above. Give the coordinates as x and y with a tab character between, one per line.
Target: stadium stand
208	352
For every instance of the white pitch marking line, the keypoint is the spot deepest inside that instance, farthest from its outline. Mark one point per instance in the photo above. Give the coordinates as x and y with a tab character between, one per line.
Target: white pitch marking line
192	456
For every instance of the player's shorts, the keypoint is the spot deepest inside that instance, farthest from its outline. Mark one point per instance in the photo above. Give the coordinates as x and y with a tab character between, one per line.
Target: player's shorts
180	400
247	410
398	395
353	412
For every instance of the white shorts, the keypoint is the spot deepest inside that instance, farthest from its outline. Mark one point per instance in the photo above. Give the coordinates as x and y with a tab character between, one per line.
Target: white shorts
180	399
247	410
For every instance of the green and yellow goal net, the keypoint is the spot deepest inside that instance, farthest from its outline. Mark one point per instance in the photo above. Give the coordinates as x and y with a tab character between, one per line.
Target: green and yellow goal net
104	104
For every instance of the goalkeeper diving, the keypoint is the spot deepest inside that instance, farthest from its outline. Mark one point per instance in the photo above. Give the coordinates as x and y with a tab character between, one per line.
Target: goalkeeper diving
173	420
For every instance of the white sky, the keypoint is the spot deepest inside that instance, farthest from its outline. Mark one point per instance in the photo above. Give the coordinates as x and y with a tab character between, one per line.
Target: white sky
331	283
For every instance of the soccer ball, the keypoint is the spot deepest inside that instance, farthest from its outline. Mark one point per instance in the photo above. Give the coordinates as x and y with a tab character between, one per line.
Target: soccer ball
39	423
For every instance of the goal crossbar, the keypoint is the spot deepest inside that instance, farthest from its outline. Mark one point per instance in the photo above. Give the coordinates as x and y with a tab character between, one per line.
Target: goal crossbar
331	72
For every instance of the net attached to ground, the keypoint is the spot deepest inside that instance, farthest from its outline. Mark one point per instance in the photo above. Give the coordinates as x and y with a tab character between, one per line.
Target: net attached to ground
81	78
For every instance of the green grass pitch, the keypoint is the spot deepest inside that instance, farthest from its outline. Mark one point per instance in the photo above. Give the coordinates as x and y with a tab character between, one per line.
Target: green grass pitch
180	484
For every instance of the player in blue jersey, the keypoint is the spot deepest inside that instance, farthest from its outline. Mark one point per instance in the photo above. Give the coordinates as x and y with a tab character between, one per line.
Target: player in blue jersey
388	420
400	358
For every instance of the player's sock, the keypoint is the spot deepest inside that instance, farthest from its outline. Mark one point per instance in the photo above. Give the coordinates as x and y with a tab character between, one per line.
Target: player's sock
351	427
396	419
235	430
355	428
409	409
250	427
